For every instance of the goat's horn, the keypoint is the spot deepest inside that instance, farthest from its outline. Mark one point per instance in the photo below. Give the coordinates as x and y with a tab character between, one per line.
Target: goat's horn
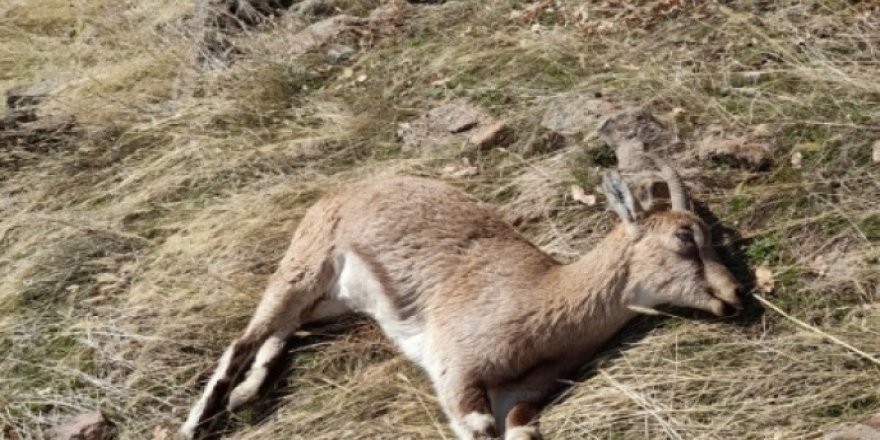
677	195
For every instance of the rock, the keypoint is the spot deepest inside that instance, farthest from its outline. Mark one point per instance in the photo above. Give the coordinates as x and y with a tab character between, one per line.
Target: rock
91	426
578	195
797	160
224	14
457	121
461	169
22	101
867	429
162	433
633	131
837	265
340	53
572	116
322	33
213	20
390	12
488	136
313	8
875	154
752	152
630	130
765	279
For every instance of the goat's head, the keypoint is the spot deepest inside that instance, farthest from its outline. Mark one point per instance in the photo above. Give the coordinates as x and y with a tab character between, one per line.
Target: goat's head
672	259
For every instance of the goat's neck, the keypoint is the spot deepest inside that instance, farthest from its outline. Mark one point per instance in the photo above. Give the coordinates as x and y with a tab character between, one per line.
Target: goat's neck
593	289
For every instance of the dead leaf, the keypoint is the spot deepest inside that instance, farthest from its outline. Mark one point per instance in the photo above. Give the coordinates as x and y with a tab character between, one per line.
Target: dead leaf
463	169
764	278
797	160
107	278
578	194
161	433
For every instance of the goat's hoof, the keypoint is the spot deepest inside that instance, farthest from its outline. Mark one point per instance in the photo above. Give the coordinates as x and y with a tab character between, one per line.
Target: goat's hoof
523	433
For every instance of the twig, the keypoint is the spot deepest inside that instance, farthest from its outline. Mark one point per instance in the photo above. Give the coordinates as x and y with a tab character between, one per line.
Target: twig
825	335
644	403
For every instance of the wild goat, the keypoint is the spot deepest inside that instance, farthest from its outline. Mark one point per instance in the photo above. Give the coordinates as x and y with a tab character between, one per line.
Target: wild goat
493	320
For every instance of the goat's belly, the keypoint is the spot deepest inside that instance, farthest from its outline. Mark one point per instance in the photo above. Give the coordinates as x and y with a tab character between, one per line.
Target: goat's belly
362	290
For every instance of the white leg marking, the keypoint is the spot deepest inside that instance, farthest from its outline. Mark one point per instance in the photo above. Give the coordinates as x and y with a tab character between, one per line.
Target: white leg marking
478	423
248	388
188	430
523	433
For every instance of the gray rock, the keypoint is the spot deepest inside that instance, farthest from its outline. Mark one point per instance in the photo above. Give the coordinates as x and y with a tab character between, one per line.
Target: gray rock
632	131
392	12
856	431
458	121
91	426
571	116
22	101
322	33
748	151
340	53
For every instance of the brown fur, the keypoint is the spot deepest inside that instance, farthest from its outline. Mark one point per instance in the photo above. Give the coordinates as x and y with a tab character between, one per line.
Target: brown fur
497	315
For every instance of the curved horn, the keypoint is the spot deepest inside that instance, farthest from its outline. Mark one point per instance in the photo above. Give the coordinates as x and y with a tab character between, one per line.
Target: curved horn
677	196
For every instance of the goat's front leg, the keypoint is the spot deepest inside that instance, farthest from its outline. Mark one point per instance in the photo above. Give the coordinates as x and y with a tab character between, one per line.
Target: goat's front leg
517	403
466	404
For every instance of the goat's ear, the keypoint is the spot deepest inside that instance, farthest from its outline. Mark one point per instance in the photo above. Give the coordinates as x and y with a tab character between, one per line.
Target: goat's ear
621	200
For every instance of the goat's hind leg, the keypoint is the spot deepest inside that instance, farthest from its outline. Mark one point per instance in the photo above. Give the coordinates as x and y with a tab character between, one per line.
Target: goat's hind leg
517	403
295	293
466	403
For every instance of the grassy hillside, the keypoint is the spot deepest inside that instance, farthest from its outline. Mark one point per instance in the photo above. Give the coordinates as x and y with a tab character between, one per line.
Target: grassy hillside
137	233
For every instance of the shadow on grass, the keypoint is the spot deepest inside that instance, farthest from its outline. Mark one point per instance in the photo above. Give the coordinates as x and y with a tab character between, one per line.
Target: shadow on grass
278	385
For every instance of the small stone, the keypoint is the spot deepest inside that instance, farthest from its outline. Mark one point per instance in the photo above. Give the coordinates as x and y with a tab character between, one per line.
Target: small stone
875	155
488	136
749	152
340	53
91	426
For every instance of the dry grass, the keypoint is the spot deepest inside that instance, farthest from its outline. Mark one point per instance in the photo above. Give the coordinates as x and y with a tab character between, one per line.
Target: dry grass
135	247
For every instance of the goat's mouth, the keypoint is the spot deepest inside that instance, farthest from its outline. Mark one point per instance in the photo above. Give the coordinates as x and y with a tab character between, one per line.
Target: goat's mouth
731	303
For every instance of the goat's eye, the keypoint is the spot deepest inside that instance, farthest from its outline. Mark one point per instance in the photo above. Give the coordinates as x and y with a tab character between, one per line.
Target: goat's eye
685	235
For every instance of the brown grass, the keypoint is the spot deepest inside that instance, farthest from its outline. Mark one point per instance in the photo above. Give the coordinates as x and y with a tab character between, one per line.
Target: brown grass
136	246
